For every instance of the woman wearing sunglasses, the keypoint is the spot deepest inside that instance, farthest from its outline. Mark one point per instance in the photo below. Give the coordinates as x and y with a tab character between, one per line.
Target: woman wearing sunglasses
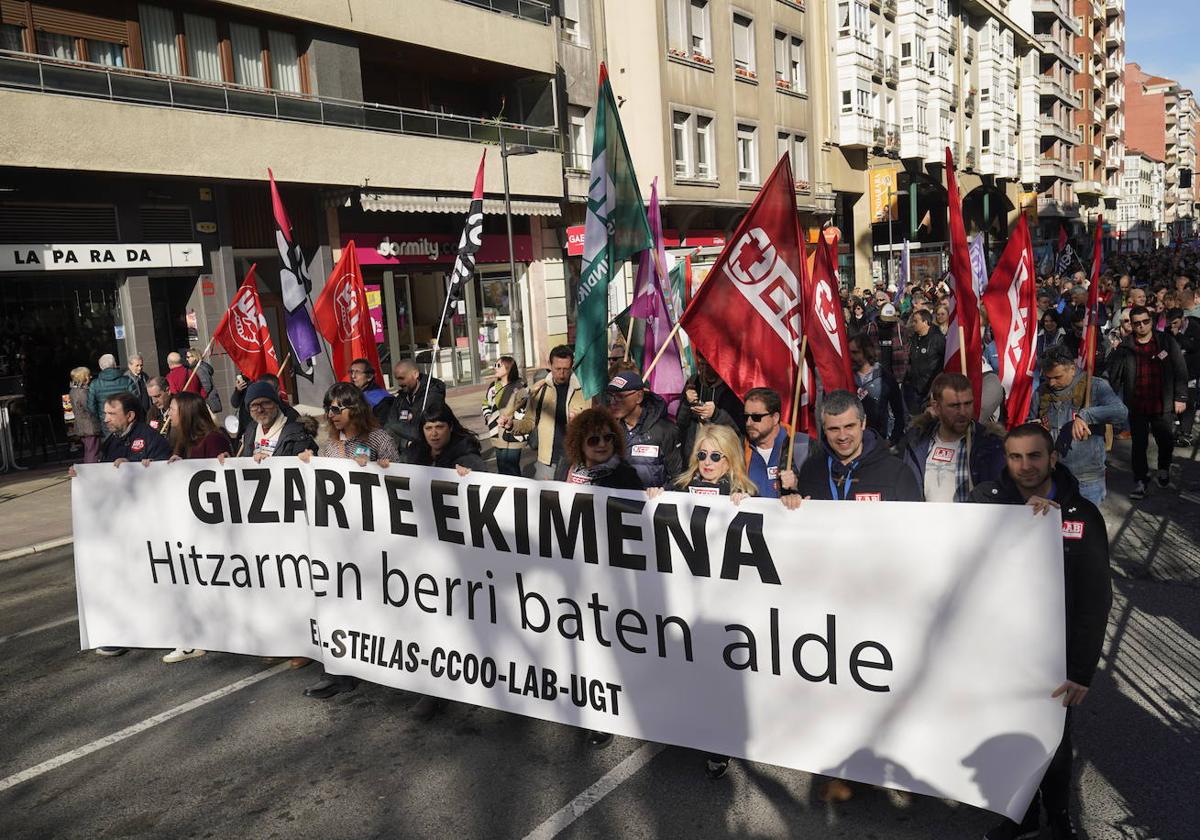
595	453
717	467
354	430
354	433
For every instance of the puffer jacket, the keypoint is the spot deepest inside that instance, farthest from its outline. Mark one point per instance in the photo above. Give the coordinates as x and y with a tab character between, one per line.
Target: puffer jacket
106	384
652	445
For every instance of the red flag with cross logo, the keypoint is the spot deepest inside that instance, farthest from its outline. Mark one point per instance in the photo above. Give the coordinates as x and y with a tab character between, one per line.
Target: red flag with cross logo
964	305
244	335
746	317
827	338
342	316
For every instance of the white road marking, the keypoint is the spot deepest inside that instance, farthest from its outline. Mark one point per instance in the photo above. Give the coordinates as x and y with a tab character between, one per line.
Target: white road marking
130	731
50	625
602	787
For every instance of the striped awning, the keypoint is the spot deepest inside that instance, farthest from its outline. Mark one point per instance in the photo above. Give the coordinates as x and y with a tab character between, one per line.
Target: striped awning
416	203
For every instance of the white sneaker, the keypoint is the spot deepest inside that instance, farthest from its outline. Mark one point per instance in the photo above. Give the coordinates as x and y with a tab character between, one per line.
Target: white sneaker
180	654
1139	490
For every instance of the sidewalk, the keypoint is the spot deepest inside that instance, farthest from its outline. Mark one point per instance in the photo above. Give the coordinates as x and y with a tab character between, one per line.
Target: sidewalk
35	507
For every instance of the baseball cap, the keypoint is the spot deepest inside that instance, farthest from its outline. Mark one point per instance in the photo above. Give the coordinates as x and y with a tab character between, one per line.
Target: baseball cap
626	380
888	313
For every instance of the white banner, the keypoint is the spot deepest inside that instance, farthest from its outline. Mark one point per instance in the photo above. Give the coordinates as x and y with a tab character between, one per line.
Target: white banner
913	646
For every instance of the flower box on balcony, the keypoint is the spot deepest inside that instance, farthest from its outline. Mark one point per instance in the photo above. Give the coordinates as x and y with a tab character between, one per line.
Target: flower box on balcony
783	84
745	73
701	58
678	53
803	186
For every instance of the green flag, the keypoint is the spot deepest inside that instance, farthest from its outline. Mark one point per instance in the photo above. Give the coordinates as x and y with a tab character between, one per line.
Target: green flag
614	230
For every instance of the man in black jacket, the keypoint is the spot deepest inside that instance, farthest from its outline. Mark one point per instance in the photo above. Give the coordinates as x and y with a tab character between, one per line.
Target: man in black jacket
856	465
130	437
1152	375
418	393
1034	477
926	358
652	441
271	431
1186	332
707	399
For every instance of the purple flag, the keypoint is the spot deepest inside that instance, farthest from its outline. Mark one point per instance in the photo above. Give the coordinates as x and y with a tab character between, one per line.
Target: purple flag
295	286
650	303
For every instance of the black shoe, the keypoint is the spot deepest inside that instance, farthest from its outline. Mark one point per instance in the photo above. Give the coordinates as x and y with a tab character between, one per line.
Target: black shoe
329	687
1163	479
427	708
1183	442
1009	830
1061	826
716	768
599	739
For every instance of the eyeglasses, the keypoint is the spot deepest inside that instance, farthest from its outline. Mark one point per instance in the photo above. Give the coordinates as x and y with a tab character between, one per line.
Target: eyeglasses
596	440
758	418
1141	322
617	396
715	457
336	409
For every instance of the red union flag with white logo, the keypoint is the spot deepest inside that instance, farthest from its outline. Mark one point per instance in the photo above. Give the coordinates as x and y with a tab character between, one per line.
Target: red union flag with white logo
344	318
827	339
1011	303
746	319
244	335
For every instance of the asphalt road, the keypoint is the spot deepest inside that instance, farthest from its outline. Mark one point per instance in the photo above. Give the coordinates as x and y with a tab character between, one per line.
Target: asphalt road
262	761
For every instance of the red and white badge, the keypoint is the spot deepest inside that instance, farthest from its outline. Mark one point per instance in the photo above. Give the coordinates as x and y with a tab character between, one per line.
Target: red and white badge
1072	529
704	491
576	477
643	450
868	497
944	455
137	445
772	473
154	424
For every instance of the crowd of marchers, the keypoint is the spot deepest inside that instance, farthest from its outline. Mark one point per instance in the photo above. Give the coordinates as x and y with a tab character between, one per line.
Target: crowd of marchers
910	432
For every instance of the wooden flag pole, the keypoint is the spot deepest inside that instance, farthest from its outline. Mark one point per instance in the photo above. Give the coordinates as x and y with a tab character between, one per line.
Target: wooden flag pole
286	361
661	350
203	356
629	340
796	401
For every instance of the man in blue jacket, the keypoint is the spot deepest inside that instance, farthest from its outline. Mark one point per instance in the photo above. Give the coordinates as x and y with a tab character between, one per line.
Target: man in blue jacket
1076	423
950	452
766	445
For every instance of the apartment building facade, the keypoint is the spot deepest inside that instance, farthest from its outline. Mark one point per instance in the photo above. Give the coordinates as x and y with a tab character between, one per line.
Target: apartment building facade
137	138
1139	218
1162	118
1054	154
1099	119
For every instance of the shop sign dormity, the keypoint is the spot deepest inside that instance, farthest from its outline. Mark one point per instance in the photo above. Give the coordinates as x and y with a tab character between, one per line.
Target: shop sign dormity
110	255
416	249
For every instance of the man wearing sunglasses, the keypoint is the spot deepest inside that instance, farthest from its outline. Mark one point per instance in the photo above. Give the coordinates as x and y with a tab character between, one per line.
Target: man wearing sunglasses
652	440
767	442
1151	378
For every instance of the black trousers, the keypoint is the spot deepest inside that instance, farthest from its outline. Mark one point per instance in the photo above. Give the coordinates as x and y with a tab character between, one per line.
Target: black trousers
1141	426
1187	420
1055	789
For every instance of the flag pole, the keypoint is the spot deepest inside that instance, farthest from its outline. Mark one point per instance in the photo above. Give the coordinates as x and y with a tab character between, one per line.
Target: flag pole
796	401
286	361
203	356
433	353
962	349
629	339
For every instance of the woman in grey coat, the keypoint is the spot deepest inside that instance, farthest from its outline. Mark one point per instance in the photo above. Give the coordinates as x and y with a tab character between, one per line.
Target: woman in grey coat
87	425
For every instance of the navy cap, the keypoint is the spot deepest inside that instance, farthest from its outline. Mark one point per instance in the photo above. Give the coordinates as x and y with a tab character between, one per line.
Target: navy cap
626	380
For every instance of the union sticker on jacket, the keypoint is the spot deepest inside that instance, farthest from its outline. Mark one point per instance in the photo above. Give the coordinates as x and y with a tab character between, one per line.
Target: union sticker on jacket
138	444
1072	529
868	497
643	450
704	491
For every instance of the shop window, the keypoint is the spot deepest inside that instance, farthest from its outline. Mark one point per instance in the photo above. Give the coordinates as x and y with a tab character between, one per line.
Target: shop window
158	39
203	48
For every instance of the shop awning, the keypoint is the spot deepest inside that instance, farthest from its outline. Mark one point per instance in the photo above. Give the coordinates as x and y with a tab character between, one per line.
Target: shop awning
412	203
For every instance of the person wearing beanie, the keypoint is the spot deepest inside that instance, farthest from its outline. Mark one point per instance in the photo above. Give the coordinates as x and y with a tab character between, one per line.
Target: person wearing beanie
271	431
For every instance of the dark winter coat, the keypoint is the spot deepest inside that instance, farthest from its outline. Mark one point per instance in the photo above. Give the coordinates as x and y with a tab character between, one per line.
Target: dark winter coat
1088	578
926	358
106	384
729	412
615	474
987	450
1189	343
652	446
293	439
462	451
403	420
137	444
1123	371
874	476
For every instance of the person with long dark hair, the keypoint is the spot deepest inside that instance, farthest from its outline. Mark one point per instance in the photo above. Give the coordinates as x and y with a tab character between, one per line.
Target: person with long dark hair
506	397
446	442
193	434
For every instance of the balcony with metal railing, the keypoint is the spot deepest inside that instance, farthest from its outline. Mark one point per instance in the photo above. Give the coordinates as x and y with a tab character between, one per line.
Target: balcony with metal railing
889	9
892	142
537	11
878	62
969	103
891	74
22	71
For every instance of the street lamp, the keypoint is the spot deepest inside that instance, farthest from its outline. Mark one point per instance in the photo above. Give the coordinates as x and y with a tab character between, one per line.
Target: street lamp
891	244
514	289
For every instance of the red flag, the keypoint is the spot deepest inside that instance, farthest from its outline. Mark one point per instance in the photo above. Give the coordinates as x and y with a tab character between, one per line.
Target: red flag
746	318
1091	318
342	316
827	339
964	306
244	335
1011	303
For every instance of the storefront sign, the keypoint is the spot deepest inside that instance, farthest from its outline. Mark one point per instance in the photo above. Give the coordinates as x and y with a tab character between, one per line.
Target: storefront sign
76	257
433	248
884	193
375	305
671	239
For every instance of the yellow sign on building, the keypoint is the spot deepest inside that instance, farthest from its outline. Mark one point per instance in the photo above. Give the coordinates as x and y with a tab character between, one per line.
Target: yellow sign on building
1029	206
884	186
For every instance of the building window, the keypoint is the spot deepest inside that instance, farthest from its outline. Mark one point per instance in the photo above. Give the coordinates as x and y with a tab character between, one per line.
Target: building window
847	102
577	119
743	43
158	39
285	61
985	139
843	17
11	37
569	22
788	142
203	48
790	73
688	29
692	141
906	53
57	46
747	153
106	53
247	55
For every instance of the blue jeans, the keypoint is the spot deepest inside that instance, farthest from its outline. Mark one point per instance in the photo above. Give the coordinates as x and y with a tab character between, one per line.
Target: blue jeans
1093	491
508	461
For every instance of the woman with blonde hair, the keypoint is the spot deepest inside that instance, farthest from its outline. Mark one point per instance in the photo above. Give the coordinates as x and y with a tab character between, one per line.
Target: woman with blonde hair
87	425
717	466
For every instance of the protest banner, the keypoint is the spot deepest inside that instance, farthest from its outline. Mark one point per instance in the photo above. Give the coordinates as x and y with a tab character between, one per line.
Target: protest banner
828	639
